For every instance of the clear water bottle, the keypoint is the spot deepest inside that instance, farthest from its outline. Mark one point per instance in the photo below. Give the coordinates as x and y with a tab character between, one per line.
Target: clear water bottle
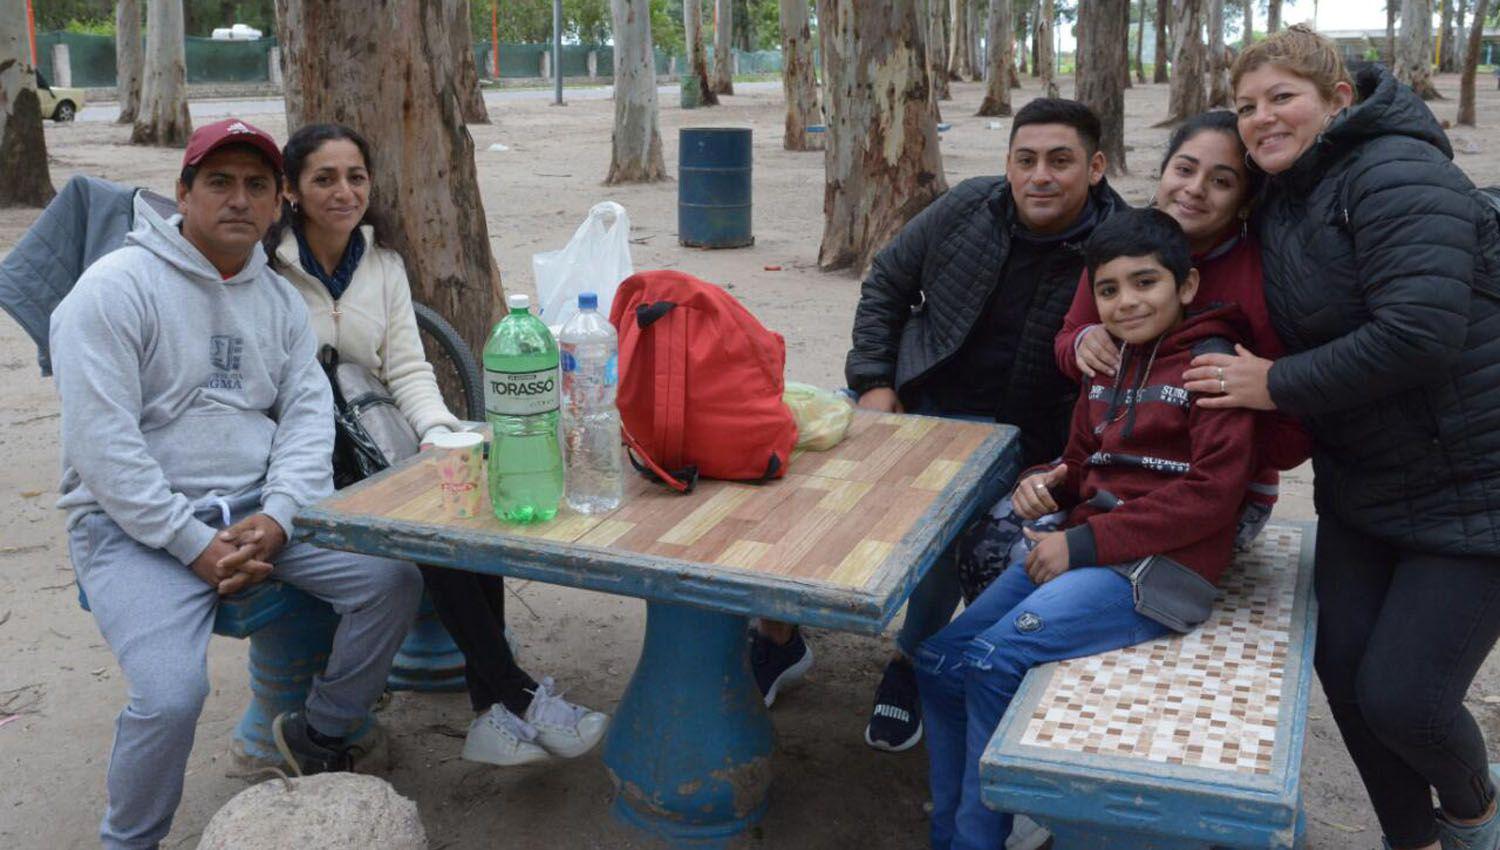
591	424
521	404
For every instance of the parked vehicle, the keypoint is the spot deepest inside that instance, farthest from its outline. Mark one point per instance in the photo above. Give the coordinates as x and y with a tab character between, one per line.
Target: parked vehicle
58	103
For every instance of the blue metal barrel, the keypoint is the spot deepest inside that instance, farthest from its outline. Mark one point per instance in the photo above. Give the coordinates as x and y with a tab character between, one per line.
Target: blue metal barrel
713	187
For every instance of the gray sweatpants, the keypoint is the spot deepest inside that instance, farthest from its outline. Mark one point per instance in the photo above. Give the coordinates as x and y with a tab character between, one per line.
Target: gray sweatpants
157	616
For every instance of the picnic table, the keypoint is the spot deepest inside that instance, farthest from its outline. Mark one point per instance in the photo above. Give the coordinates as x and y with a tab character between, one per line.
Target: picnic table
838	543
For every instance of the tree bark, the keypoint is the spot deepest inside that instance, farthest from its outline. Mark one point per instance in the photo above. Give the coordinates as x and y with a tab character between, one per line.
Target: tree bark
697	61
1140	44
937	49
635	155
882	164
1100	82
128	59
1047	61
426	199
1126	34
1392	8
1218	66
1471	65
24	178
723	76
1188	97
1446	46
1001	41
163	118
1248	37
976	56
960	62
1273	16
1163	14
1021	28
798	80
470	96
1414	48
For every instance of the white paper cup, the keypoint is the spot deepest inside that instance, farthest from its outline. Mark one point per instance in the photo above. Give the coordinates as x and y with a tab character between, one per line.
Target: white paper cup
460	472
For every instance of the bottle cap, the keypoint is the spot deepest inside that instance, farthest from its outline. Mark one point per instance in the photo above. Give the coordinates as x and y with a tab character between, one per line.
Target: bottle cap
518	301
588	301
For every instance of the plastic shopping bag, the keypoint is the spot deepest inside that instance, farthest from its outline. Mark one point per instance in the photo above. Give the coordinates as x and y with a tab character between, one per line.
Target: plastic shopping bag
822	416
595	260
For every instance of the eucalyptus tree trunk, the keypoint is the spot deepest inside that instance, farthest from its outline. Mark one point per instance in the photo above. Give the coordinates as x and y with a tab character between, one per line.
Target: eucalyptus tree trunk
1471	65
1273	17
798	79
1218	66
960	61
1140	43
1392	9
24	178
635	155
723	76
1446	47
1414	48
426	194
471	97
1001	41
936	49
1248	37
1126	34
1163	14
1100	83
163	118
128	59
976	57
882	164
697	62
1188	96
1046	61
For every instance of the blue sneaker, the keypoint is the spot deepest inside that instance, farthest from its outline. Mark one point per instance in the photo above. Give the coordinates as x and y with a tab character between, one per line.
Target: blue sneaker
1482	836
778	665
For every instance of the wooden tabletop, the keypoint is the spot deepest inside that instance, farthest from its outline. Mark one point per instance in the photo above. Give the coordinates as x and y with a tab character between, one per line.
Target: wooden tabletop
838	542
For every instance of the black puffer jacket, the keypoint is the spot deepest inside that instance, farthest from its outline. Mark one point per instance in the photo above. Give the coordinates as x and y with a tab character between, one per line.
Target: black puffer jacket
1382	275
927	289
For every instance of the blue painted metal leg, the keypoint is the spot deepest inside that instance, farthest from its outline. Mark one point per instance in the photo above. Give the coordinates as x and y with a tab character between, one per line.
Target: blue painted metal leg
285	654
428	660
690	747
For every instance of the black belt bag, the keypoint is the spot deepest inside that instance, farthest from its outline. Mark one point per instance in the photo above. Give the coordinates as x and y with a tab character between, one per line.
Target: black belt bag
1169	593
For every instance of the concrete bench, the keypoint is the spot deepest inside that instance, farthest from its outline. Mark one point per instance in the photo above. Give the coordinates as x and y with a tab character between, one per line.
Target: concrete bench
290	635
1185	743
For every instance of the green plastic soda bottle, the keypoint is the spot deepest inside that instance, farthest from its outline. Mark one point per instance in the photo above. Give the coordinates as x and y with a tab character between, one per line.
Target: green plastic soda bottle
521	389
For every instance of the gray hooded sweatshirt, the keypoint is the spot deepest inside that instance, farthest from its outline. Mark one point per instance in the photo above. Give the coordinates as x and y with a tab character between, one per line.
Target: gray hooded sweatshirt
180	389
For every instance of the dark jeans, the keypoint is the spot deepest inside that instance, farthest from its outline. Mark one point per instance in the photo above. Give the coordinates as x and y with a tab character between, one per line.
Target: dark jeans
1401	634
471	607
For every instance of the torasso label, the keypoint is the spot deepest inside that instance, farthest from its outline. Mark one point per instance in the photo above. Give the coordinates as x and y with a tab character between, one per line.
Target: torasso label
520	393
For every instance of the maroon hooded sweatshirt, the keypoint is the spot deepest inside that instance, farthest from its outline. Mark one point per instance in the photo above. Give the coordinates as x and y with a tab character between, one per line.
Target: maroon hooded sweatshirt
1178	470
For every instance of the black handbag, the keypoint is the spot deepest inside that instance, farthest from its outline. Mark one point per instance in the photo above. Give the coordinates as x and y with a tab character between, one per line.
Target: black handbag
370	432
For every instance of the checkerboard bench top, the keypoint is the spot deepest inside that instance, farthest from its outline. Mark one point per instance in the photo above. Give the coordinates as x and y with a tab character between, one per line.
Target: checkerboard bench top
1200	733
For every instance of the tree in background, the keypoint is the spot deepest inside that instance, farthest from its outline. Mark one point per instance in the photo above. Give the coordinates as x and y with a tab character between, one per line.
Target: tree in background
1187	97
163	118
426	191
1140	43
1414	48
1218	56
1001	60
1471	64
1163	14
798	80
128	59
1045	60
1247	24
697	63
936	49
635	155
1392	9
470	98
1100	82
723	76
881	164
1273	16
24	178
960	61
1446	46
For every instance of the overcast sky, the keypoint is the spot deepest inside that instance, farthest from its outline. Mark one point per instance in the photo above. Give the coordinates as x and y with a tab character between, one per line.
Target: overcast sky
1337	14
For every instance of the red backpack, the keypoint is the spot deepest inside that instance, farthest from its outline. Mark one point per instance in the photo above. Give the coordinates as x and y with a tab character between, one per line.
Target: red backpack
700	383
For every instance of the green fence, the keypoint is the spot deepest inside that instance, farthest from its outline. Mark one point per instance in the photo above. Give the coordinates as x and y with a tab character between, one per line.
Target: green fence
91	57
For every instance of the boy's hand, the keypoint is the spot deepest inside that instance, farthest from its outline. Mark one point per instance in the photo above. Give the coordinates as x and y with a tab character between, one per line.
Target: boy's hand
883	399
1049	559
1096	353
1032	498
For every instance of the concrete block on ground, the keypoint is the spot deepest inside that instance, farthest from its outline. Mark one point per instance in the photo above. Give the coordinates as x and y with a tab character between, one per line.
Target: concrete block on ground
331	811
62	66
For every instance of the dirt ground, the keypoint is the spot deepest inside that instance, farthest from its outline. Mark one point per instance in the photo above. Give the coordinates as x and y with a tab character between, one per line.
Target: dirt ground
831	791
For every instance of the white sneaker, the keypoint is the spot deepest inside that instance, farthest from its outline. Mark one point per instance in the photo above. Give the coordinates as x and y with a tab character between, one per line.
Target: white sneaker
564	729
499	737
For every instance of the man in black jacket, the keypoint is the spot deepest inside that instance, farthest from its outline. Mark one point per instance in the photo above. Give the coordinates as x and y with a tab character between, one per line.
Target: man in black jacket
957	318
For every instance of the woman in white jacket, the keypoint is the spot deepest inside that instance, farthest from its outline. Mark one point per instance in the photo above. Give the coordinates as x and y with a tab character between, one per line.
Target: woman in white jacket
359	302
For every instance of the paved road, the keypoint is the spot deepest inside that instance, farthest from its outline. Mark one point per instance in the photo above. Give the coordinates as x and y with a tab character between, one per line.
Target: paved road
108	110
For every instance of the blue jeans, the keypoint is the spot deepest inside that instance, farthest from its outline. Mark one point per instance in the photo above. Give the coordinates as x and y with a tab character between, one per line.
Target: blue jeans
968	673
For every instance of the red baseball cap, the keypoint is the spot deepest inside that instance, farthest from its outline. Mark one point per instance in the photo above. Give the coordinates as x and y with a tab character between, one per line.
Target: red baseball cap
231	131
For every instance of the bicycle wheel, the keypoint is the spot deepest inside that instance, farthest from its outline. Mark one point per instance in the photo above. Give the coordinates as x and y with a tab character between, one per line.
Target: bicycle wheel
457	371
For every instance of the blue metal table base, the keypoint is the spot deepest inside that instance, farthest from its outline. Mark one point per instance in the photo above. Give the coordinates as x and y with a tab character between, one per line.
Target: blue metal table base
428	659
1073	836
689	751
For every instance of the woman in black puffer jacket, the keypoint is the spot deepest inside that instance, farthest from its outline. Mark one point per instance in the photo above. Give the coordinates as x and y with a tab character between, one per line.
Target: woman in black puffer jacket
1382	275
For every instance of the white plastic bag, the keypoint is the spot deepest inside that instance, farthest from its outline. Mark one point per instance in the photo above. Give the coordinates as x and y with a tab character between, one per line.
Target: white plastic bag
595	260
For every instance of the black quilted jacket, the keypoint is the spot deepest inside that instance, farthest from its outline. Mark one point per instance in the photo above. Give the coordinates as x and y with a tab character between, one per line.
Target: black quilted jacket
927	289
1382	275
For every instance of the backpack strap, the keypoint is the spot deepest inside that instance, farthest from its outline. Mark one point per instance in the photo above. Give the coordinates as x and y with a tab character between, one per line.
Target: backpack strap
669	393
683	480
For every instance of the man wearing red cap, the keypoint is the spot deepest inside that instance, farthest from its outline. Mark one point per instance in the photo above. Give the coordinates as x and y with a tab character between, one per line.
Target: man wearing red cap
196	421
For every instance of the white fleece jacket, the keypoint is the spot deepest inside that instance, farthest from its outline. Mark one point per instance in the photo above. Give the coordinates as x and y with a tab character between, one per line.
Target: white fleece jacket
372	324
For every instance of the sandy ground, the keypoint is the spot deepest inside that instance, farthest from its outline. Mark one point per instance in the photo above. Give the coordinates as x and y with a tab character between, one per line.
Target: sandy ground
831	791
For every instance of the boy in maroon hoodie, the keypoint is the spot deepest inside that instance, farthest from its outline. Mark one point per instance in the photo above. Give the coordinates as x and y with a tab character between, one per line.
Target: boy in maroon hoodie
1152	483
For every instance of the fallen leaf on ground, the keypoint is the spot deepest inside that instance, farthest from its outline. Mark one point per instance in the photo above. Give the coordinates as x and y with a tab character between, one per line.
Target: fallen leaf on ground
30	494
1341	827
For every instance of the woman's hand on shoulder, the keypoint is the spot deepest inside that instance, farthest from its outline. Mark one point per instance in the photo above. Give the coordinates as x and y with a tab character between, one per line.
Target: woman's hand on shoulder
1224	380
